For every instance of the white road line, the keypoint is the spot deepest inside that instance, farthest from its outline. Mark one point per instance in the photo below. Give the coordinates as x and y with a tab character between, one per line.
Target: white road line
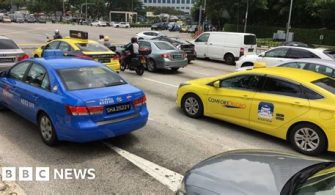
159	82
165	176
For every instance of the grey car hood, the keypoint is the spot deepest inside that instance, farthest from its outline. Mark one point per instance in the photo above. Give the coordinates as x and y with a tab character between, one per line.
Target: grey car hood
244	173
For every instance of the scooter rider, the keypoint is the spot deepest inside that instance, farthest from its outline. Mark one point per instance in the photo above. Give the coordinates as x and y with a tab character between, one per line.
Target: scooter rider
57	34
134	50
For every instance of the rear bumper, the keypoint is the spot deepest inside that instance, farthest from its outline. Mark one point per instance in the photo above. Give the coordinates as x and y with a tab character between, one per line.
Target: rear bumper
167	64
114	65
88	131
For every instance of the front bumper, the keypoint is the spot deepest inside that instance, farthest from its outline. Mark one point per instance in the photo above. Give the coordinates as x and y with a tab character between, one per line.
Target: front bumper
88	131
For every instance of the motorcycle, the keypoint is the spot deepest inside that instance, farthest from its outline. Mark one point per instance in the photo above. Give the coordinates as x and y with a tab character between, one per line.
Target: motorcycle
136	64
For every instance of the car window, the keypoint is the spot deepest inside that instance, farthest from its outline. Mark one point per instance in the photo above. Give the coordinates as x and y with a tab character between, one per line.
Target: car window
147	33
91	47
36	75
277	53
281	87
327	84
245	82
330	53
320	69
52	45
64	46
300	53
164	46
19	70
144	45
8	44
89	78
310	94
203	38
249	40
154	34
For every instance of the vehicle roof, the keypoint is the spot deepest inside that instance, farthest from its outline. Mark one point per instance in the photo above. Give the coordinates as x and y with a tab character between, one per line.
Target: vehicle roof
76	40
330	63
290	73
306	48
211	32
3	37
65	62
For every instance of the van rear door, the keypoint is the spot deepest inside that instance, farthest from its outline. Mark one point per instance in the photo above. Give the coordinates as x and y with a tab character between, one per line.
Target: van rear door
249	44
201	45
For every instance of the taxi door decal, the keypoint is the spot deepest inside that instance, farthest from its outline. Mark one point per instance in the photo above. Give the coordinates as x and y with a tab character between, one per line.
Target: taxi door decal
265	111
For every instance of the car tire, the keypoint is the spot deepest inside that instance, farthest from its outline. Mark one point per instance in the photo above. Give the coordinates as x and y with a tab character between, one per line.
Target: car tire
192	106
47	130
308	139
174	69
36	56
151	65
229	59
189	61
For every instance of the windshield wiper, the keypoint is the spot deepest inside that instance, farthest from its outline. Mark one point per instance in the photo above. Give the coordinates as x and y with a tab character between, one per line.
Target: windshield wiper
114	84
302	176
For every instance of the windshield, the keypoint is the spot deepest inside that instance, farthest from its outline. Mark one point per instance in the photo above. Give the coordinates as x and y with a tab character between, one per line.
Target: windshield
92	47
164	46
7	44
89	78
330	53
327	84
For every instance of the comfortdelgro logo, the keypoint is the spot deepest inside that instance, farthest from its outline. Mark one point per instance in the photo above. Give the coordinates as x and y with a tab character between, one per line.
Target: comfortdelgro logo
45	174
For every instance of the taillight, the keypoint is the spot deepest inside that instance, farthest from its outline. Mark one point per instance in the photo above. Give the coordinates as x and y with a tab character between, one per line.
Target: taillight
83	110
140	101
85	57
241	52
23	57
115	57
166	55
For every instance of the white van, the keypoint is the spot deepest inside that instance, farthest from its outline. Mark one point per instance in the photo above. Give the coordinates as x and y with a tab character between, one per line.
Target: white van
225	46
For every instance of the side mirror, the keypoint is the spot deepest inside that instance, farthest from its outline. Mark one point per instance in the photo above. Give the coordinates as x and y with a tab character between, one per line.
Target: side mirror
217	84
3	74
262	54
43	47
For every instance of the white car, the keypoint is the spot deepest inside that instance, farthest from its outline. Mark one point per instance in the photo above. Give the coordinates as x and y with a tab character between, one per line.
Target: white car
147	35
10	53
99	23
284	54
121	25
325	67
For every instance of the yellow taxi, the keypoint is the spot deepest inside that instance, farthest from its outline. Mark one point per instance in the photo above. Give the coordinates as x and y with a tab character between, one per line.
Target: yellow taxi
291	104
78	41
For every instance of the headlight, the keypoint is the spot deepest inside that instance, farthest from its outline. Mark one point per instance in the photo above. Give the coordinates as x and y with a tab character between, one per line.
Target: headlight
182	189
183	84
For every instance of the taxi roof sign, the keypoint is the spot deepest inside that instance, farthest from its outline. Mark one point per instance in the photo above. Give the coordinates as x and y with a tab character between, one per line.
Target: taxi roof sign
78	34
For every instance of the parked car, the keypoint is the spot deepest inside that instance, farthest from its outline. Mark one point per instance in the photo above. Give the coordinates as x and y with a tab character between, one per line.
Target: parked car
99	23
184	28
10	53
146	35
6	19
284	54
296	44
259	172
193	29
30	19
122	25
41	19
163	55
159	26
225	46
185	46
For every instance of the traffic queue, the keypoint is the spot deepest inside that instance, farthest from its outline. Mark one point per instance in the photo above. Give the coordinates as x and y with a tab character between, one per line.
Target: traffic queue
72	91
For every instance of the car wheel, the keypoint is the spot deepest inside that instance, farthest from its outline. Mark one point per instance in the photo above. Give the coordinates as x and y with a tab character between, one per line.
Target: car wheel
36	56
229	59
189	61
192	106
47	130
308	139
174	69
151	65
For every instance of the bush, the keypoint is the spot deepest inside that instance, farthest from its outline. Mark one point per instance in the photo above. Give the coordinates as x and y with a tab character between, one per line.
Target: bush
140	25
309	36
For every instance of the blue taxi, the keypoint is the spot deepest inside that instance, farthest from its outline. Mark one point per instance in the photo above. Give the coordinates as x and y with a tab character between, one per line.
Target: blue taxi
72	99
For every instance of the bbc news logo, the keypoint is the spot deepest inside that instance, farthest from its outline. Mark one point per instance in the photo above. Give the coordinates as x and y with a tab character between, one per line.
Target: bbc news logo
45	174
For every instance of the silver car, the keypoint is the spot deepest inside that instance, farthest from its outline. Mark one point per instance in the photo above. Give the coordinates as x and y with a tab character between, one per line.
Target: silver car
10	53
163	55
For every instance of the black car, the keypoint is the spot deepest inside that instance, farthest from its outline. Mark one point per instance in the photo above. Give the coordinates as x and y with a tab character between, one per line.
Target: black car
159	26
185	46
259	172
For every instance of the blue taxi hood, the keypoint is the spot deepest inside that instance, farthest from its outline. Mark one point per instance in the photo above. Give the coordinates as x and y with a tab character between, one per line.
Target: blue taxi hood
244	173
108	95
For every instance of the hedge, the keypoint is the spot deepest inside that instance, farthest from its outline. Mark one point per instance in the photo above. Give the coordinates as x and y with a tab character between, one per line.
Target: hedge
310	36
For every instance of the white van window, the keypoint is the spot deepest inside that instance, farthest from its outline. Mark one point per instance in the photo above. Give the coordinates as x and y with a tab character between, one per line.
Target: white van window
249	40
203	38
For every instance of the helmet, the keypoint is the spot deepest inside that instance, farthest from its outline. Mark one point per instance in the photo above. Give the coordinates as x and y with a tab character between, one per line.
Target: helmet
106	38
101	36
133	39
56	31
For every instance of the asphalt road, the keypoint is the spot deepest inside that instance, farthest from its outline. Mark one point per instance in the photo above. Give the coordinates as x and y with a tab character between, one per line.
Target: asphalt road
170	139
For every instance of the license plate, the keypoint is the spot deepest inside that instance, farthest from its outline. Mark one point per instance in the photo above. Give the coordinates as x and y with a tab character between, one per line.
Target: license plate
177	56
103	60
250	49
7	60
118	108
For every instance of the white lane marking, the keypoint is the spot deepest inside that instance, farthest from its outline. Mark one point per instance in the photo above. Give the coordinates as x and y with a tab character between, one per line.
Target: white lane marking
159	82
196	72
165	176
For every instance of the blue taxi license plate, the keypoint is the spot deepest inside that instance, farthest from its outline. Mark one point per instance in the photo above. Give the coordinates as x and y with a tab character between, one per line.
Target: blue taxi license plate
118	108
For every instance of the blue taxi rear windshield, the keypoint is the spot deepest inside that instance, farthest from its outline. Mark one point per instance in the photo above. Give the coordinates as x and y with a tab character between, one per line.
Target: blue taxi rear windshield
92	47
89	78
